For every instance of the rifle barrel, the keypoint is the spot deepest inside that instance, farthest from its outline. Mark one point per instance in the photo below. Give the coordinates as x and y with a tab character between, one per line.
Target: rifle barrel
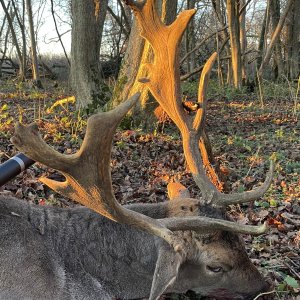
14	166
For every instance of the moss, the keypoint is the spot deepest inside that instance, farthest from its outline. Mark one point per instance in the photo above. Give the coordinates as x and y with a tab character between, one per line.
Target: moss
118	89
100	94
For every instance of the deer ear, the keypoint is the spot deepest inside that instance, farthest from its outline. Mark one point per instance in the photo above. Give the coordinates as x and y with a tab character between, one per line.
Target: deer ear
166	271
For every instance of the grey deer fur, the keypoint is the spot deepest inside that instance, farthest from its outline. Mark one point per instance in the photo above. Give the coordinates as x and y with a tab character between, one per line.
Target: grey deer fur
53	253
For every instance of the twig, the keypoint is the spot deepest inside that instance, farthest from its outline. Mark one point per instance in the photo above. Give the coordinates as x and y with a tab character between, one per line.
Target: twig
58	34
293	263
265	293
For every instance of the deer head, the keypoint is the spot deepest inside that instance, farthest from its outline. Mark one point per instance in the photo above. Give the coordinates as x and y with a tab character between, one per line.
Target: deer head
201	249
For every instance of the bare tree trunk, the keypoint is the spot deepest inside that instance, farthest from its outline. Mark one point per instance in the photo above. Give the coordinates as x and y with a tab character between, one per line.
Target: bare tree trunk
274	38
35	66
24	42
14	37
4	45
218	6
274	7
88	20
21	22
293	31
243	41
234	32
190	39
294	72
4	49
261	41
130	66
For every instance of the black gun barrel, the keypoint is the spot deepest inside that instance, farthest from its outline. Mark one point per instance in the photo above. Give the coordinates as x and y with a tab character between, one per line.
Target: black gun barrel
14	166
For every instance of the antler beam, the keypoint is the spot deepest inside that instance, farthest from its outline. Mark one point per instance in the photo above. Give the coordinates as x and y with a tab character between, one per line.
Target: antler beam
87	173
206	225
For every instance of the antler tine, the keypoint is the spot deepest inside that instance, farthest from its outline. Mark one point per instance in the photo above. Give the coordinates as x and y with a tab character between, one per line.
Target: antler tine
38	150
28	140
238	198
87	172
202	90
206	225
192	139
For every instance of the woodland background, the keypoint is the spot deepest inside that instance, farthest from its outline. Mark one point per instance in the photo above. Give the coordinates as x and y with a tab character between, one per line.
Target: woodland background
60	61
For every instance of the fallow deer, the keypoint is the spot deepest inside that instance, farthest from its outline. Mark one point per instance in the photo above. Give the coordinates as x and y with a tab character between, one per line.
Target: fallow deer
108	251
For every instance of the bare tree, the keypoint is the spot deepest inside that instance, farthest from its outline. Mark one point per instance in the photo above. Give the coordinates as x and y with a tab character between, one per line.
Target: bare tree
87	26
292	41
3	41
234	32
20	15
243	41
220	12
262	36
15	40
274	7
274	38
35	66
57	31
190	39
122	19
130	66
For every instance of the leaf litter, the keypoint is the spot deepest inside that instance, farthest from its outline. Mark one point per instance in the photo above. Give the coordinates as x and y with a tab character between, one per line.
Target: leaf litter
243	138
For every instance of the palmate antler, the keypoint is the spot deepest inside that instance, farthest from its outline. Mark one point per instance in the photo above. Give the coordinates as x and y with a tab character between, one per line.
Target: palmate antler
88	178
164	84
87	173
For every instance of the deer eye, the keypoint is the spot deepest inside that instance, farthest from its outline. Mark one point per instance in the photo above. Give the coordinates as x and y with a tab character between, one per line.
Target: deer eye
214	269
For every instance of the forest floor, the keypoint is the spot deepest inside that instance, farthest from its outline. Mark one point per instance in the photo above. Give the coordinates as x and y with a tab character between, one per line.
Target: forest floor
243	135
